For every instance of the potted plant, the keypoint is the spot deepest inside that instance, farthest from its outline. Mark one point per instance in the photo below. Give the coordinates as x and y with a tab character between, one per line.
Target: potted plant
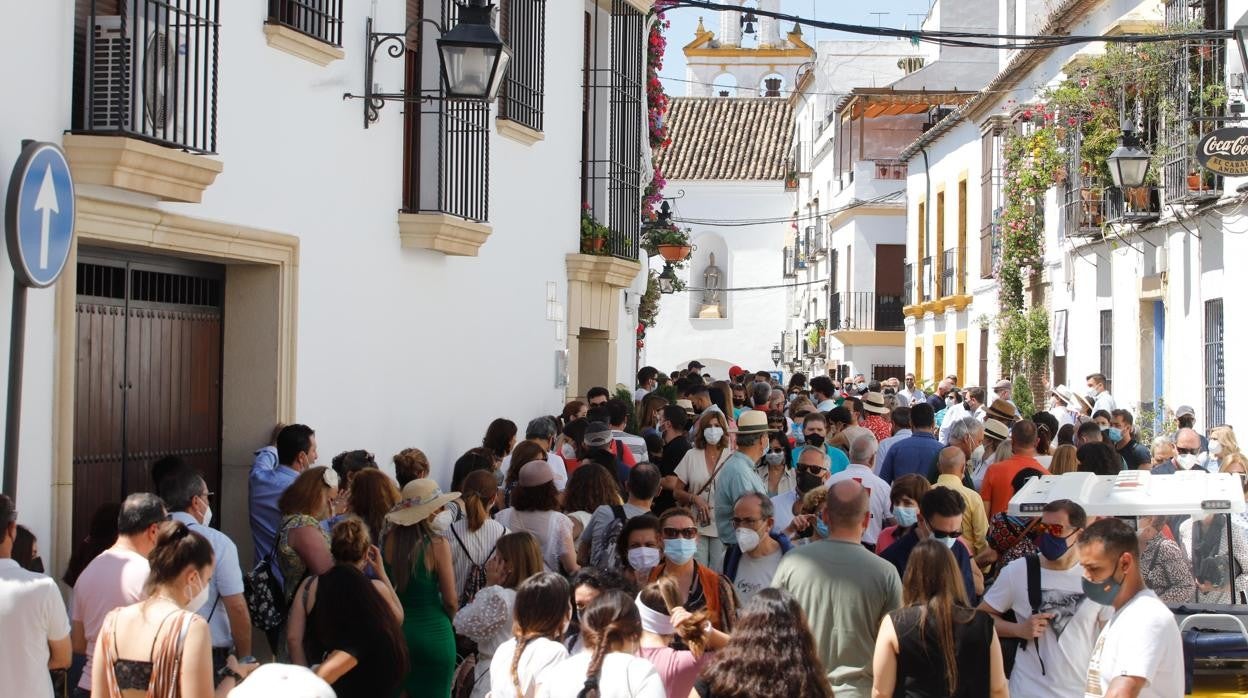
1194	182
790	180
593	234
667	240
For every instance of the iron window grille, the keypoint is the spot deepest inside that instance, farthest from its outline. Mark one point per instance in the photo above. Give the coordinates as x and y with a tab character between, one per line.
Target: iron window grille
907	283
1215	366
1107	346
319	19
452	177
790	268
1195	79
1083	197
991	196
948	273
866	310
523	25
619	89
147	69
928	281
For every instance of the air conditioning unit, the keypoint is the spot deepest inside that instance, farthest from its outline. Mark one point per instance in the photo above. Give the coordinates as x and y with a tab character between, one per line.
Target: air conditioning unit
146	51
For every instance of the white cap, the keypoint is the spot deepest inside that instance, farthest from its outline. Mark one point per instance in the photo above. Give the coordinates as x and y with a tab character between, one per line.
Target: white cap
285	680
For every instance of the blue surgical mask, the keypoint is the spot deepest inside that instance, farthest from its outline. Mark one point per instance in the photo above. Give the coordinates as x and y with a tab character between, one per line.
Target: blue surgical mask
1052	547
679	550
821	528
1115	435
906	516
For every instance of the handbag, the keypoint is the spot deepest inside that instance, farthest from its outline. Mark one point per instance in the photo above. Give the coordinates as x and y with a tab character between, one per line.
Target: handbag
265	596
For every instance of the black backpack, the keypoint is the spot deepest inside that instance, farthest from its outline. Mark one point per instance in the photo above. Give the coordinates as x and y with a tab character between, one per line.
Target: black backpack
1011	645
475	580
603	555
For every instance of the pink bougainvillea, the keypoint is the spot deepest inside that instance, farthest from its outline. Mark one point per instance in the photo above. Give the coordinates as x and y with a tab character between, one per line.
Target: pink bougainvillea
657	103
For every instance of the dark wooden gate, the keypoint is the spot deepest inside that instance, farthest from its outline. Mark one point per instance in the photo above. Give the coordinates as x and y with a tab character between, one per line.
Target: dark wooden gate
148	374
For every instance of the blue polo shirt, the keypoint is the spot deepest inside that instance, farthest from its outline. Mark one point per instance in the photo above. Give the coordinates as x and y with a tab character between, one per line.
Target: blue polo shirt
267	482
913	455
899	554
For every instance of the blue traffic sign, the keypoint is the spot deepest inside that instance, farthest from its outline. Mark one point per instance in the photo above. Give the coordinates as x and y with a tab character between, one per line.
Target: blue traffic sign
39	214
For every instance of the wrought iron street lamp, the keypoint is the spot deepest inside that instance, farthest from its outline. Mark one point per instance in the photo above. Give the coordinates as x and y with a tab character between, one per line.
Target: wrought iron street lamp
1128	164
775	355
667	280
474	58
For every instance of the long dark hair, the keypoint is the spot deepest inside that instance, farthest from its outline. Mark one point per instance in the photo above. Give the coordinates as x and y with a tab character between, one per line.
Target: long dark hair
609	621
934	584
471	461
349	604
542	606
498	436
771	654
590	487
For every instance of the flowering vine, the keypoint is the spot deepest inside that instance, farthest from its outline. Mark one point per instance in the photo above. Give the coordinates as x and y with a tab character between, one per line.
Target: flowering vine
656	108
1033	163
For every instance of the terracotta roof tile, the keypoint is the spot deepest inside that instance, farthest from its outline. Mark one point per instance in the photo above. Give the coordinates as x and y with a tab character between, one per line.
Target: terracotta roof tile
728	138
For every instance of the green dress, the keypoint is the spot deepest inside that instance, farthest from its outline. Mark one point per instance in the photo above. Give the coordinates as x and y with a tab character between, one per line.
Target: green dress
430	638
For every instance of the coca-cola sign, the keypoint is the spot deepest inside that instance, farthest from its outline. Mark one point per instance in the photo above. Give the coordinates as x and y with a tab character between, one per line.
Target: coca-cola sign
1224	151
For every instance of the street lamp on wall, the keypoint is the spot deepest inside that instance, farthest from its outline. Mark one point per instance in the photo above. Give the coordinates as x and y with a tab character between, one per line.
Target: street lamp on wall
1128	164
667	280
775	355
474	58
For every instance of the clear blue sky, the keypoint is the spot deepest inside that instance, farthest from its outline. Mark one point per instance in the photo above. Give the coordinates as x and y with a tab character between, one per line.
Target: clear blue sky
685	22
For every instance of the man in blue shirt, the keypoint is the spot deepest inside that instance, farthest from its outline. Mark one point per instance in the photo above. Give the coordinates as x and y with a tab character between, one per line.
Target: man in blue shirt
916	454
815	433
940	517
296	451
737	476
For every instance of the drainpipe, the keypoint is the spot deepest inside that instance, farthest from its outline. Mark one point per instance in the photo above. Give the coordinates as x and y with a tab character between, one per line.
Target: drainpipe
927	209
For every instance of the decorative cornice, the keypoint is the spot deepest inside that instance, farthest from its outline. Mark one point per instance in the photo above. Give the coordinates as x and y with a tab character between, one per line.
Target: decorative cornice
601	269
441	232
300	45
518	132
139	166
914	311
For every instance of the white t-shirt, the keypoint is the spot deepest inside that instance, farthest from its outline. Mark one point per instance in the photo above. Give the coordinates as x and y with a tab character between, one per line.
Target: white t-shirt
551	528
1141	640
783	505
692	471
878	493
754	574
539	657
32	614
1065	645
115	578
479	545
555	462
622	676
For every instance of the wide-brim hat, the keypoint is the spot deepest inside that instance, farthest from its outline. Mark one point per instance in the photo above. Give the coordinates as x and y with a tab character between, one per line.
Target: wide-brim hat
874	402
420	498
1003	411
1084	404
686	405
1063	393
996	430
752	422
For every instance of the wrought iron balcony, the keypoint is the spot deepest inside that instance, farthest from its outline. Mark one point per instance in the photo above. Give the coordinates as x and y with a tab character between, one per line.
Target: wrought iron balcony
1198	87
948	273
866	310
1136	205
927	284
319	19
1083	209
150	72
907	284
790	268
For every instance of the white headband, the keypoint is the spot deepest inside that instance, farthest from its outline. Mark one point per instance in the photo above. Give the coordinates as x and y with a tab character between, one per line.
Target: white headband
653	621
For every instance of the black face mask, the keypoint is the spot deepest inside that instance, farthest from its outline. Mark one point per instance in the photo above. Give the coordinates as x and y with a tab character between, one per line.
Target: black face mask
738	402
36	565
807	481
814	440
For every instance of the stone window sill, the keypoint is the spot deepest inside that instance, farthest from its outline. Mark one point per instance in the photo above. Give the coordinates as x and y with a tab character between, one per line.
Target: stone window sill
441	232
602	269
139	166
518	132
301	45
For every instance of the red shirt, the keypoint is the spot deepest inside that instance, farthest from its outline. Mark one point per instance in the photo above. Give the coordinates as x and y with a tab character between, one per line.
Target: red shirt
996	489
879	426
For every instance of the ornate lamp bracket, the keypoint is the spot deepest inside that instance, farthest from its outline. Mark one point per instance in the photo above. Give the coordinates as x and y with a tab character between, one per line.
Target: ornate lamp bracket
395	44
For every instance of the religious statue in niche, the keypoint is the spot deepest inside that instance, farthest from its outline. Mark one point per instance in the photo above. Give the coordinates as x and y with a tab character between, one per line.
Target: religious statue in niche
712	277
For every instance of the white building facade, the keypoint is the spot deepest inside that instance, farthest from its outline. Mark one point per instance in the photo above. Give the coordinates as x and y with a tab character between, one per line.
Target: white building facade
253	248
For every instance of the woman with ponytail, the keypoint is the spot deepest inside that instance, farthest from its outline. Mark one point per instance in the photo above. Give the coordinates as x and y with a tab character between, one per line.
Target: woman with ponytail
935	645
662	622
542	610
474	536
609	668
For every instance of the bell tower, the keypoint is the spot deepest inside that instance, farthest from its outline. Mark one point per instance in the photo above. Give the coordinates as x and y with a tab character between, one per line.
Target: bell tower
746	56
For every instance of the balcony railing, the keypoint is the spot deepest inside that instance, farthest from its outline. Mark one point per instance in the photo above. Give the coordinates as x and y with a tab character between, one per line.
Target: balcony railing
1138	205
319	19
151	73
1198	86
949	273
890	169
928	275
907	284
1083	209
790	268
866	310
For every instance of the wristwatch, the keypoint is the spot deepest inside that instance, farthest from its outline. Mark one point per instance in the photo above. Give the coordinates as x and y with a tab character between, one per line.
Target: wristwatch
226	672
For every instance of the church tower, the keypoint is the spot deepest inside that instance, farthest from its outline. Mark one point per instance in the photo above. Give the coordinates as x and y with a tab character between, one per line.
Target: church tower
746	56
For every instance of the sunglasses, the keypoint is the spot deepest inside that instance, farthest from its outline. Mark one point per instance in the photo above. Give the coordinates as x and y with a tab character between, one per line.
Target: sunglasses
812	469
945	534
1188	451
1057	530
686	533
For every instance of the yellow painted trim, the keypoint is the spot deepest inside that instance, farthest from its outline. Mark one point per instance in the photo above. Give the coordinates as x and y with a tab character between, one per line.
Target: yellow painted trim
300	45
115	224
139	166
960	337
800	49
938	340
870	338
914	311
441	232
518	132
959	302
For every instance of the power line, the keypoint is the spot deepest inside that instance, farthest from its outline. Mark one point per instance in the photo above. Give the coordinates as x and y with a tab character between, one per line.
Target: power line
735	223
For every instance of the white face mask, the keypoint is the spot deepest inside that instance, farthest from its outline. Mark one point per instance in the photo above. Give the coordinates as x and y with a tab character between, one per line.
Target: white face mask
747	539
643	558
713	435
207	514
1215	447
442	521
1187	461
198	601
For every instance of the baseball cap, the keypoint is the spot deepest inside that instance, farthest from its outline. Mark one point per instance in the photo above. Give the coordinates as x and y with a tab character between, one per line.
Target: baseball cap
597	435
1185	411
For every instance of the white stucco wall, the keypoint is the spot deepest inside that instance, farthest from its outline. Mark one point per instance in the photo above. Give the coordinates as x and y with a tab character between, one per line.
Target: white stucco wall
755	318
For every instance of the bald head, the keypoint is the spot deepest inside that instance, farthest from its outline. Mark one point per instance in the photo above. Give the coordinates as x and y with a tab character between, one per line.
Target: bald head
952	461
1187	438
845	510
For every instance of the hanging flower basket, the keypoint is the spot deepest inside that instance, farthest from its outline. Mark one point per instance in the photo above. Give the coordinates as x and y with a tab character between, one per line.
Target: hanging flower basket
674	253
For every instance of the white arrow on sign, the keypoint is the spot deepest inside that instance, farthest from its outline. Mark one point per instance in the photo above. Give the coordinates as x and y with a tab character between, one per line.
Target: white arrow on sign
46	202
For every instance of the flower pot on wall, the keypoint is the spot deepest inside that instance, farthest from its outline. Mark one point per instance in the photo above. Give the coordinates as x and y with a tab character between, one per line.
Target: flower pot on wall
593	245
674	253
1193	182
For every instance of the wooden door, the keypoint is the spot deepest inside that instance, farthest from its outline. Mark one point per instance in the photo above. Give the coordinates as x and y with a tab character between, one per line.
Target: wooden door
148	375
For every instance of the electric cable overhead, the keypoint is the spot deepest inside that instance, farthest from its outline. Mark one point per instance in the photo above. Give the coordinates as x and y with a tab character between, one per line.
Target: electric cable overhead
737	222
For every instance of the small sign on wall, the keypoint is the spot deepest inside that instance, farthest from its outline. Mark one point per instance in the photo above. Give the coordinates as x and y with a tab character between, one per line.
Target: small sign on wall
561	368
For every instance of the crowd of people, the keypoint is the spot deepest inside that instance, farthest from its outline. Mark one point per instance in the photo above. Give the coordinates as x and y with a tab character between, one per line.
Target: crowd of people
695	537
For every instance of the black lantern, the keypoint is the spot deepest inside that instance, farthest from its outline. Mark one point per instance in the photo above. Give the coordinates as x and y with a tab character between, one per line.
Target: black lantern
667	280
775	355
1128	164
474	58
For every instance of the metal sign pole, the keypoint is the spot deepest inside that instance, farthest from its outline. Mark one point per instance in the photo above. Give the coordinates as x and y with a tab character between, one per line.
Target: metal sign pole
13	407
